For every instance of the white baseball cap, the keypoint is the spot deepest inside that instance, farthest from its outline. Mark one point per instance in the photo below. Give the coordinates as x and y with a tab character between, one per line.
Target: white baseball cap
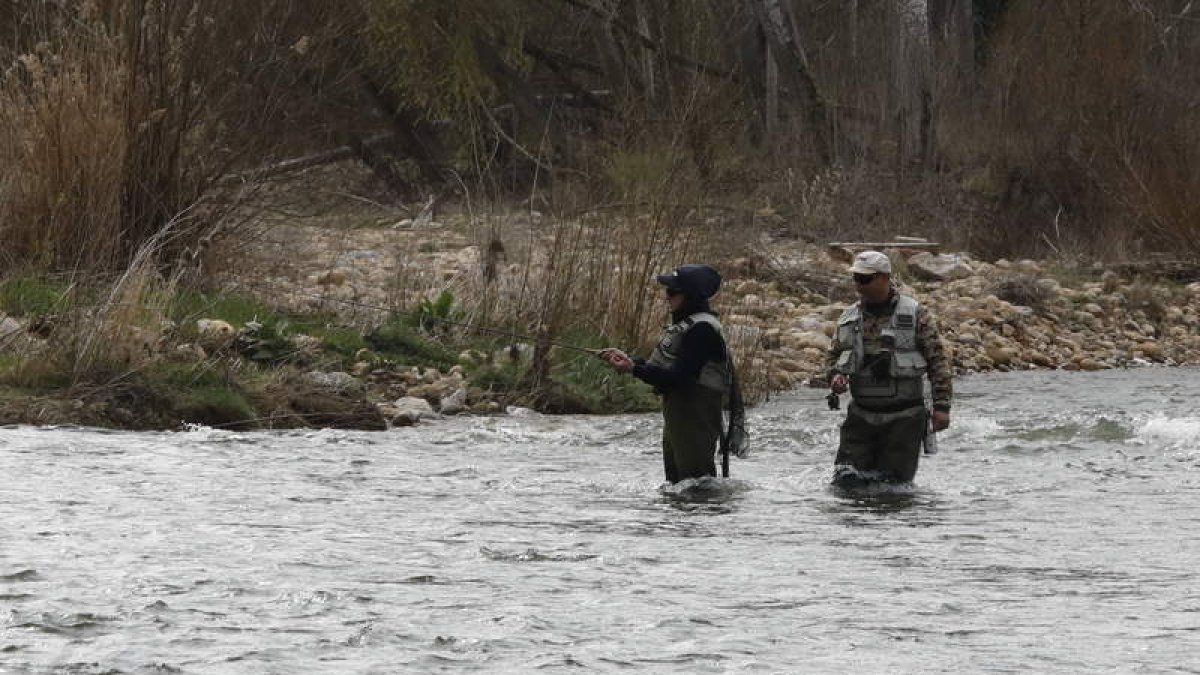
871	262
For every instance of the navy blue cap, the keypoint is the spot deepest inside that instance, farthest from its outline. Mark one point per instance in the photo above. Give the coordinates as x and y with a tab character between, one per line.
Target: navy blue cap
697	281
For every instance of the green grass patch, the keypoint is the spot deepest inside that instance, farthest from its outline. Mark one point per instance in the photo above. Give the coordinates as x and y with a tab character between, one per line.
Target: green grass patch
189	306
600	388
340	340
31	296
398	340
198	393
271	342
579	382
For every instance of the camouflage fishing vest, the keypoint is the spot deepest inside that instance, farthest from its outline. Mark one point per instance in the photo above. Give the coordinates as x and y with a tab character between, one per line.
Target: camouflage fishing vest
887	369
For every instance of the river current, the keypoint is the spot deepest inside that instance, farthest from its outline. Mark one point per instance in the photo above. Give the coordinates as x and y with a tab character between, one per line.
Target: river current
1056	531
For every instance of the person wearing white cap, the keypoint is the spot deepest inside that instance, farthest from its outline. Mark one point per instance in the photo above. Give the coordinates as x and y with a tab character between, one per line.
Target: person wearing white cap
885	346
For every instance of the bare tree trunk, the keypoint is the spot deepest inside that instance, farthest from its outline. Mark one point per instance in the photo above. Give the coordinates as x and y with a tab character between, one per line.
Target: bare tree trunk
952	53
772	113
753	54
784	39
643	28
952	27
910	81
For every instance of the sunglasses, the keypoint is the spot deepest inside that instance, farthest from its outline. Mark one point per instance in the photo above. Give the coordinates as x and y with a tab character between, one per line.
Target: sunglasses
863	279
674	291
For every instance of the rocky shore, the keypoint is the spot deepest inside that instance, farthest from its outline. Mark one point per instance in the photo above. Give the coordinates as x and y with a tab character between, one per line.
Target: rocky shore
779	304
999	316
781	309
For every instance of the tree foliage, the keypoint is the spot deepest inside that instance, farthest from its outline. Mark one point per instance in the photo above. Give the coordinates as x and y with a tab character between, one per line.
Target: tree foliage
1075	114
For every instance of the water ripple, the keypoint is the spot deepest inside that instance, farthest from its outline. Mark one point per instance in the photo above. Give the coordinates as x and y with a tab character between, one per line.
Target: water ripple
1055	532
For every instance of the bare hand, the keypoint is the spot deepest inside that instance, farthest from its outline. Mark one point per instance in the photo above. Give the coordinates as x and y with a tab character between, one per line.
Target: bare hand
941	420
839	384
618	359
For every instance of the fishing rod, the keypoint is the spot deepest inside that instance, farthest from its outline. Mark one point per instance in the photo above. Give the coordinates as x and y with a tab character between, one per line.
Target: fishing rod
462	324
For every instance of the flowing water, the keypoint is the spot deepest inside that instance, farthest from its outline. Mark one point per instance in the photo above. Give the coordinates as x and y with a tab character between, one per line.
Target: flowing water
1055	532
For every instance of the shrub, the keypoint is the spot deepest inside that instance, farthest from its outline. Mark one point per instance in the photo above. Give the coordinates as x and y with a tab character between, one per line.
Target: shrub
1023	290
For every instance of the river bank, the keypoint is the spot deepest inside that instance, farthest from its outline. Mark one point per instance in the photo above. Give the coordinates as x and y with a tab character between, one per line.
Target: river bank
332	319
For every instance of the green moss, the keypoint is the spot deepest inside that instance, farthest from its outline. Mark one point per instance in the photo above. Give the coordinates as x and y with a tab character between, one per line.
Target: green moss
187	375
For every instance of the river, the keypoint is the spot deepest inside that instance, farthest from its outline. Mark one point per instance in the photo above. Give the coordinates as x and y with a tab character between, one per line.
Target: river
1055	532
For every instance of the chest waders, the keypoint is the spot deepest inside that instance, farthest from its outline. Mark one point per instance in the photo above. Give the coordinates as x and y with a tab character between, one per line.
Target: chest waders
692	414
885	423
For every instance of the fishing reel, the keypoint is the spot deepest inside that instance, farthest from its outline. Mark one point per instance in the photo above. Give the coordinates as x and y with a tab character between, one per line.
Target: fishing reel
833	400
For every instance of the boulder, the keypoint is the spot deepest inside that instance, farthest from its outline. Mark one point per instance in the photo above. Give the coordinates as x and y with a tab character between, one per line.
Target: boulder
9	325
215	334
806	340
337	381
940	267
332	278
454	403
409	410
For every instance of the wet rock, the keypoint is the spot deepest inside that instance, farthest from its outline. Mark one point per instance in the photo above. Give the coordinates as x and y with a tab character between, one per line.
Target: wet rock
1002	356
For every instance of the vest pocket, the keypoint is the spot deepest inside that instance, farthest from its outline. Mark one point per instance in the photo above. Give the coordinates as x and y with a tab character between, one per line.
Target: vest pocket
907	364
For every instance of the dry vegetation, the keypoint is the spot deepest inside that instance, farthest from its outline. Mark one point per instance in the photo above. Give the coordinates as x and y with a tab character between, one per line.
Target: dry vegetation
643	134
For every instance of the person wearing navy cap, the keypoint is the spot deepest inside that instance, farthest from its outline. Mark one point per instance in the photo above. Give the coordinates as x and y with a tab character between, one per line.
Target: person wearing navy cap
692	371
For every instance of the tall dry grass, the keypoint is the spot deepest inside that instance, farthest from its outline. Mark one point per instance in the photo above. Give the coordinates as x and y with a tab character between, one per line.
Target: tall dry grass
1092	107
63	149
582	259
119	116
104	329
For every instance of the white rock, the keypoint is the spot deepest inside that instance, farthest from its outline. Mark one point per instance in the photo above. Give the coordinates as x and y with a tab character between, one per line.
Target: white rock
455	403
339	381
215	328
215	333
9	325
940	267
410	410
806	340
